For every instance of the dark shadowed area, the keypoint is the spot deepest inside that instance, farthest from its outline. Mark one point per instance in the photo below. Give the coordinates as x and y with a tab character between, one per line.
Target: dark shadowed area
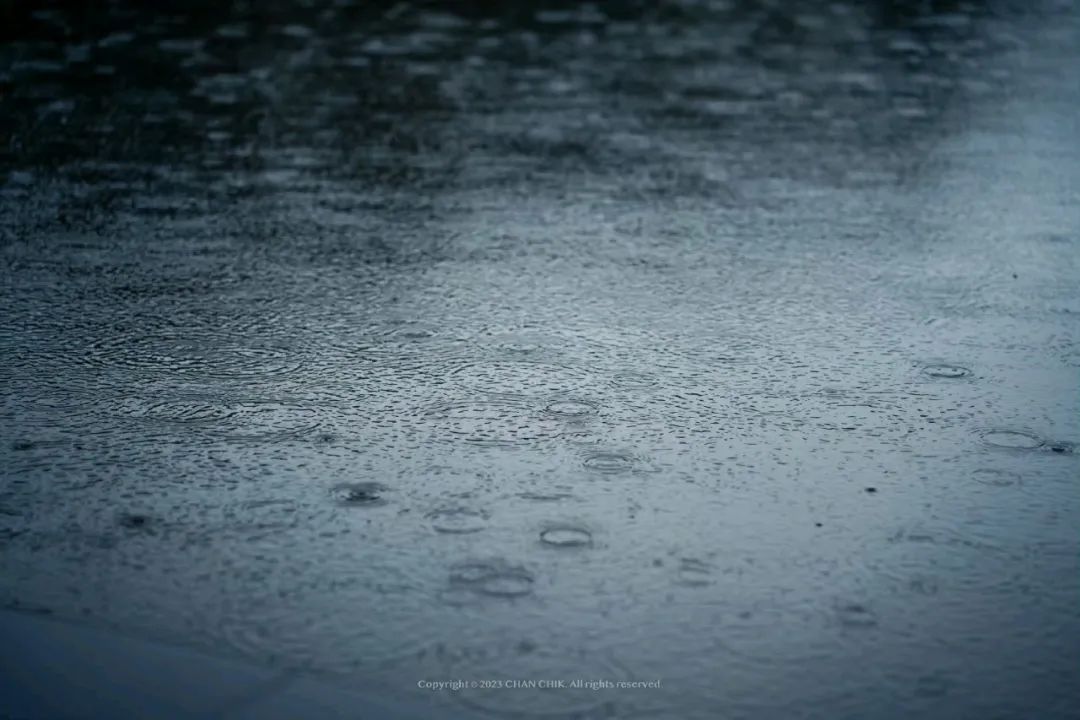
732	344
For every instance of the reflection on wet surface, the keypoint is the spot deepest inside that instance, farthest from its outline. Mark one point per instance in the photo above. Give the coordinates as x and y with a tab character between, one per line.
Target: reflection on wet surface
728	343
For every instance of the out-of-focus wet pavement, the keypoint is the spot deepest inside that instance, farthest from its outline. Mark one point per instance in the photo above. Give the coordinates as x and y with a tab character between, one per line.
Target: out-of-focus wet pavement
729	344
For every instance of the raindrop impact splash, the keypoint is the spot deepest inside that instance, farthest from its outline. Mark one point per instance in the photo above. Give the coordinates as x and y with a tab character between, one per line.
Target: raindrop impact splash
363	494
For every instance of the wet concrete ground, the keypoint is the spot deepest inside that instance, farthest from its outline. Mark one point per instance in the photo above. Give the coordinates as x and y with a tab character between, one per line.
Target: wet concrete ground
732	345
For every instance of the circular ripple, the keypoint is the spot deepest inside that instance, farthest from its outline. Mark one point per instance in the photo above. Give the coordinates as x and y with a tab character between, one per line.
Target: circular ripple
779	410
537	662
1012	439
203	357
518	377
271	421
415	330
566	536
632	380
521	344
553	496
509	584
252	420
946	371
492	578
609	462
571	409
995	477
178	411
917	552
493	422
241	362
472	572
457	520
404	339
363	494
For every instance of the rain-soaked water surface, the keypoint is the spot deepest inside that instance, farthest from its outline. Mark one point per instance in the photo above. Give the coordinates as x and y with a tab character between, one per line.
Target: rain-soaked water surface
729	344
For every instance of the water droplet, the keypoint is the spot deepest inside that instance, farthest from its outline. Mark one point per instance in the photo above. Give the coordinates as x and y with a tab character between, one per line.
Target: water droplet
359	494
1012	439
566	536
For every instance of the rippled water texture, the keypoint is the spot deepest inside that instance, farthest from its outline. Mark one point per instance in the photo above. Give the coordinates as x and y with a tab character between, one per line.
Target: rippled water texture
732	344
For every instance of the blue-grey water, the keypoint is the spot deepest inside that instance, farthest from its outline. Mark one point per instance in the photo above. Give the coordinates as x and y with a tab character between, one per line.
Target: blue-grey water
734	345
